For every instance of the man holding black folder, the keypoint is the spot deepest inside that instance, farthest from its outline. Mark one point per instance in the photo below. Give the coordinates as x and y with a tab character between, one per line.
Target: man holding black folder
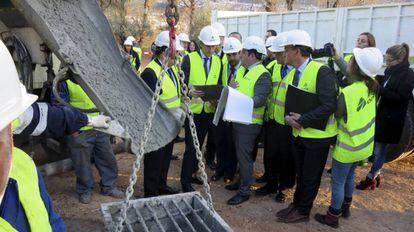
200	68
311	146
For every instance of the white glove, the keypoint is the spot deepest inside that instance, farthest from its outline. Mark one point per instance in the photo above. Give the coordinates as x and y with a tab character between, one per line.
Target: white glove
100	121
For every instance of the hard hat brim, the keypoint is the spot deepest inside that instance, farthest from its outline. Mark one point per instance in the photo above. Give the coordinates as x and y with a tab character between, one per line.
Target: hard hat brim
13	111
273	49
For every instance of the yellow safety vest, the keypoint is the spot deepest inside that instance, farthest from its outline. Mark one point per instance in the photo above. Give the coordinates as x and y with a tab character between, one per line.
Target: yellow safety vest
198	77
278	99
138	50
246	86
355	140
171	95
271	64
224	58
307	82
225	73
24	172
79	99
347	58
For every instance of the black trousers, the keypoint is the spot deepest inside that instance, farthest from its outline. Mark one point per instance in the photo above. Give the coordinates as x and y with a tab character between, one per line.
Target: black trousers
211	148
278	158
203	123
310	158
156	165
226	151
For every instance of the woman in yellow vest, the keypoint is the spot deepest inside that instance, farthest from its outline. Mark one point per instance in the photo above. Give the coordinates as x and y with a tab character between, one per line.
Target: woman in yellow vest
133	55
156	163
356	128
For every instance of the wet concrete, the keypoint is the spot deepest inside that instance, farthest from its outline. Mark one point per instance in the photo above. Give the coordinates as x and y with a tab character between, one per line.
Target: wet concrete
79	34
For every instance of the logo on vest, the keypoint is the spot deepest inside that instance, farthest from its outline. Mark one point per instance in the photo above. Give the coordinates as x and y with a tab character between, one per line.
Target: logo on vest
362	103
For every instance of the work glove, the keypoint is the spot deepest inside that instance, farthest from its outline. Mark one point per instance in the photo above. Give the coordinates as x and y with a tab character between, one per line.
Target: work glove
100	121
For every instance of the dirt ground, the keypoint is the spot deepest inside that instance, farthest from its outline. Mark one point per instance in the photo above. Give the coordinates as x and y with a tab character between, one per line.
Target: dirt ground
390	208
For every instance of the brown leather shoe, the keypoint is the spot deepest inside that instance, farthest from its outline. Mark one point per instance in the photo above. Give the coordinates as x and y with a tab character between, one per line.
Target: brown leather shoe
285	211
294	217
378	179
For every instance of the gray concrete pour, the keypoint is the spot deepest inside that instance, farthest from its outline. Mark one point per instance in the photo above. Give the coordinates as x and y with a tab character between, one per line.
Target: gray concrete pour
80	35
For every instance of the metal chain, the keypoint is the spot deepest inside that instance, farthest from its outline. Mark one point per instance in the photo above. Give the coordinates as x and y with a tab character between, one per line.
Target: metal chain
142	145
199	154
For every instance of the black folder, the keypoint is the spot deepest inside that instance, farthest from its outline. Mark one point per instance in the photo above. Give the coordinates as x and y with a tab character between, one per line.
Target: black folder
211	92
301	102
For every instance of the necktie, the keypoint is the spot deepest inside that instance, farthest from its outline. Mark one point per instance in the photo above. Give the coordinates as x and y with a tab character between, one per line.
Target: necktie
206	65
171	74
284	71
296	78
232	71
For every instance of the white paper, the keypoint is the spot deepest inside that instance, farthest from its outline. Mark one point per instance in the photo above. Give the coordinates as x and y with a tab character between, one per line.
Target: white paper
237	107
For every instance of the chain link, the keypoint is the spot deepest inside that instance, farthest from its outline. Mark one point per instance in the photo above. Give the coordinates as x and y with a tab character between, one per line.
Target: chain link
199	154
142	145
144	140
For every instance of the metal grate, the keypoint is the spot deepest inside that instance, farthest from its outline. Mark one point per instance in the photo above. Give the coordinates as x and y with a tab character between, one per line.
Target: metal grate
180	212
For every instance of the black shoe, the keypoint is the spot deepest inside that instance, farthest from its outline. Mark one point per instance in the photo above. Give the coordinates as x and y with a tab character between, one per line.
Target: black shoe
228	179
285	211
233	187
168	191
212	165
261	179
266	190
237	199
187	188
216	177
280	197
196	180
295	216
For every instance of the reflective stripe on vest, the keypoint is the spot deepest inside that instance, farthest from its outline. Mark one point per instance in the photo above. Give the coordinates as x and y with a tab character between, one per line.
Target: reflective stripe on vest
198	77
355	140
307	82
279	97
169	96
24	172
246	86
79	99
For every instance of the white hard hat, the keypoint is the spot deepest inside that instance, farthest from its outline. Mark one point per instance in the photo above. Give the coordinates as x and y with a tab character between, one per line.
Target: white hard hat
277	42
298	37
178	46
14	99
184	37
163	39
128	42
255	42
209	36
369	60
232	45
132	38
269	41
220	29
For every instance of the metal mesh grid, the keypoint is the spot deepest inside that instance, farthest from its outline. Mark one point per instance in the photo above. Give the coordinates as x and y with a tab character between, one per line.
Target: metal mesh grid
180	212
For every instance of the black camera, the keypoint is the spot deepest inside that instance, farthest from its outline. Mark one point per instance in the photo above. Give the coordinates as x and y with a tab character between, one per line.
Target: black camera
326	51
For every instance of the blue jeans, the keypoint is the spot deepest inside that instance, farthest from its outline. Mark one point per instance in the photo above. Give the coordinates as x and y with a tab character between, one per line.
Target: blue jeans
342	181
380	150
